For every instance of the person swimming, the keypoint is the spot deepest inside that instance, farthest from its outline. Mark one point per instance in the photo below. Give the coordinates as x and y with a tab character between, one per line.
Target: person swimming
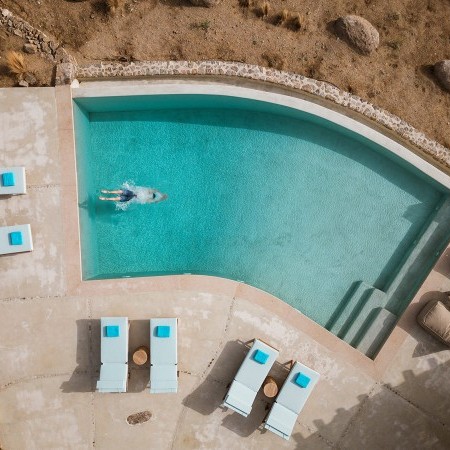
121	195
139	194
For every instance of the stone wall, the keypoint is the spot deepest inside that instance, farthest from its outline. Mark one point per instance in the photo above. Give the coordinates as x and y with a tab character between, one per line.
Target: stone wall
322	89
38	40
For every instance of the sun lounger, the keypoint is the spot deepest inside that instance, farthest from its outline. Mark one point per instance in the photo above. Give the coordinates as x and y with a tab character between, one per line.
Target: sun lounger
250	377
113	354
163	356
290	400
12	181
15	239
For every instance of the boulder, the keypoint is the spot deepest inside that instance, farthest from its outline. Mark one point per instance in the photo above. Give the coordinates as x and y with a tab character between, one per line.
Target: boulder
65	73
30	79
207	3
30	48
358	32
442	73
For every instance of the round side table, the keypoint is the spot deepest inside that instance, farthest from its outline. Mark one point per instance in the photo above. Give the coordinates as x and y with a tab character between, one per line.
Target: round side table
270	387
140	355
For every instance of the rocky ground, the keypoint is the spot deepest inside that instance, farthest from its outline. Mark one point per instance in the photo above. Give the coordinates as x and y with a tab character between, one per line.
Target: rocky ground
413	35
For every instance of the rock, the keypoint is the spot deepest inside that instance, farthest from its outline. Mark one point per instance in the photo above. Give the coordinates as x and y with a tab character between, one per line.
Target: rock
207	3
442	73
30	79
65	73
30	48
358	32
61	55
45	47
6	13
23	83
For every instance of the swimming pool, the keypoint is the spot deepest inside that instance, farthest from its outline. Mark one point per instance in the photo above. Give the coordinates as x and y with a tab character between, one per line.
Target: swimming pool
321	217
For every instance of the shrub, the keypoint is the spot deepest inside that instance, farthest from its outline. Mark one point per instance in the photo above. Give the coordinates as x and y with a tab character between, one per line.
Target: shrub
274	60
264	9
16	63
201	25
282	17
113	5
296	22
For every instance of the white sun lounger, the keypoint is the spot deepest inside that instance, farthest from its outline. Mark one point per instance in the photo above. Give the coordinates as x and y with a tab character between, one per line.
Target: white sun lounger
15	239
250	377
114	354
163	356
290	400
12	181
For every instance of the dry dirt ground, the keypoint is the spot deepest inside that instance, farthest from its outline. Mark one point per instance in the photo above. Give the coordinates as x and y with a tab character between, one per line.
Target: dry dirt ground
414	34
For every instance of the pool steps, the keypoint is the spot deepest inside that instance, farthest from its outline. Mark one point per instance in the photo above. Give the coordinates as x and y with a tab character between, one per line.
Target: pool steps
379	327
354	303
368	314
364	322
421	257
374	300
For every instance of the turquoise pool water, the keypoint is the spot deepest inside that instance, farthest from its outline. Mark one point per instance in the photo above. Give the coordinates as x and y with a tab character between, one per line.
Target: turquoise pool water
260	193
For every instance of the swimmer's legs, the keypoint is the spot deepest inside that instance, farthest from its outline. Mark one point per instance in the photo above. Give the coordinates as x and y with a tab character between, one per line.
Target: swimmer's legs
117	191
110	199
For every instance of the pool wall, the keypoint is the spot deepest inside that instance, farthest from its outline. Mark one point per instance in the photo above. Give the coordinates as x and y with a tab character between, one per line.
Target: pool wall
240	72
88	243
334	118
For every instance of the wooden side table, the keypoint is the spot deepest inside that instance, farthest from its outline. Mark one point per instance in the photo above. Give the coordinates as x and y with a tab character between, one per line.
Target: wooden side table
270	387
141	355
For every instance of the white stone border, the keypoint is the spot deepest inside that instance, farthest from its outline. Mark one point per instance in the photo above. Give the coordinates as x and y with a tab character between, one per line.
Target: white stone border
210	88
325	90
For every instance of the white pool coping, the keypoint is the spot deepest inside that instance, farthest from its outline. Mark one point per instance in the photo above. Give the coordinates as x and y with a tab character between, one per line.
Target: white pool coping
118	89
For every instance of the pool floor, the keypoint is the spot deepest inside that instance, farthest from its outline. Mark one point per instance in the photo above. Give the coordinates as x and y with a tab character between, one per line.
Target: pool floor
281	203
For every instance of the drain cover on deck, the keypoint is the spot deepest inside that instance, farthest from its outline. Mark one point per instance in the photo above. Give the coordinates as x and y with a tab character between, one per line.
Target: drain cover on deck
139	417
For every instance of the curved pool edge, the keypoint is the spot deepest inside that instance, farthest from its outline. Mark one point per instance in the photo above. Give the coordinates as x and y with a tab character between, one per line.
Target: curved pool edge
241	292
74	285
282	99
429	148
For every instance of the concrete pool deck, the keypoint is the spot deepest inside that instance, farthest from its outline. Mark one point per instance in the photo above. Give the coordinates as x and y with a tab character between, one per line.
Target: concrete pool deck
49	338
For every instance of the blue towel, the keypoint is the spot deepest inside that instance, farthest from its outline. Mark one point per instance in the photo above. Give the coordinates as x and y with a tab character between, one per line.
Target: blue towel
302	380
163	331
8	179
260	357
112	330
15	238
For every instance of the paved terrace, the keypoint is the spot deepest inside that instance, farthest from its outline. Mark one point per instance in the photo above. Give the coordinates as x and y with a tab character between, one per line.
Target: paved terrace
49	338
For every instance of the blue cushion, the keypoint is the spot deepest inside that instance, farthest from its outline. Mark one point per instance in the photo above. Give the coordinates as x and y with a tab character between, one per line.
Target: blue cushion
163	331
8	179
15	238
260	357
112	330
302	380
